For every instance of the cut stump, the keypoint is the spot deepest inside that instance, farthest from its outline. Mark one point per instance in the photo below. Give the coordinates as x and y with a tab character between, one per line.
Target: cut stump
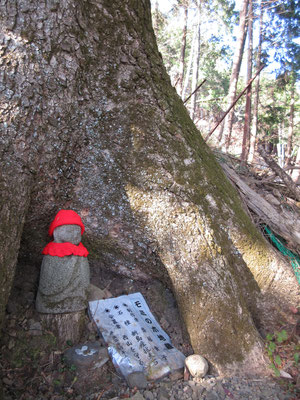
65	327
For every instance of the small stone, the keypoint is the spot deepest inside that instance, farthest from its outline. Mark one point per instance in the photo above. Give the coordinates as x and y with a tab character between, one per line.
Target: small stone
176	375
107	294
221	390
137	396
91	326
95	293
164	323
12	323
7	381
148	395
187	389
137	379
11	307
197	365
34	328
162	394
161	397
116	380
29	297
85	356
199	390
212	395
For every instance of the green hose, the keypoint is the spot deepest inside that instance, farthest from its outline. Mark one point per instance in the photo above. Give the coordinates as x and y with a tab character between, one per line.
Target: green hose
294	258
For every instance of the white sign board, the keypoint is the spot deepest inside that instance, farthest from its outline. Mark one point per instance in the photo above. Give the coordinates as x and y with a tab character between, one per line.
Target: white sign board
135	340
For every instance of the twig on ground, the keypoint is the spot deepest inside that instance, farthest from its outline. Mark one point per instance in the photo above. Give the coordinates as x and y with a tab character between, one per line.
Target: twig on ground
103	391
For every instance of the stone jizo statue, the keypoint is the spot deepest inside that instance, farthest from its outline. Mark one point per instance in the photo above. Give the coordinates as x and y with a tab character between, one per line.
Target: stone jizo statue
65	274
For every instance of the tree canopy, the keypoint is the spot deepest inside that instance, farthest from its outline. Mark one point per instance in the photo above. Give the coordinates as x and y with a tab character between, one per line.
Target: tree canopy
279	53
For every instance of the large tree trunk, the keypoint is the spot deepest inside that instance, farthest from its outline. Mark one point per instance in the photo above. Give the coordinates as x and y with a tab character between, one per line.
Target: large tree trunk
91	122
236	66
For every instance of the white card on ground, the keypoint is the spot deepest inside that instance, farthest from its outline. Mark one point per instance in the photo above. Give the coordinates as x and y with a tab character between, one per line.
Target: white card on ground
135	340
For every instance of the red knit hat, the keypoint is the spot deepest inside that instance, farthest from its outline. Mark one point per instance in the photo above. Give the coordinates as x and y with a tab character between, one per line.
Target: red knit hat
66	217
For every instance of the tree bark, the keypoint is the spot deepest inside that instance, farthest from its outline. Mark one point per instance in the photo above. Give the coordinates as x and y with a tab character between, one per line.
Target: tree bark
237	60
91	122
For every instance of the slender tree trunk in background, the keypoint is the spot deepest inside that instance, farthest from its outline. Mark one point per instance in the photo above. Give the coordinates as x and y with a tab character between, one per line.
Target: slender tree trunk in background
253	137
220	136
155	19
182	51
279	147
91	122
190	63
247	123
296	172
291	123
237	60
196	61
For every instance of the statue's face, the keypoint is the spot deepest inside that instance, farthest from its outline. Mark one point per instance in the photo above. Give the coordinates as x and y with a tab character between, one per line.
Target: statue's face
67	233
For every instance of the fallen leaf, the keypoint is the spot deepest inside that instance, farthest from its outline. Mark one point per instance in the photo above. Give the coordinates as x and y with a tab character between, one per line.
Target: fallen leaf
294	310
285	375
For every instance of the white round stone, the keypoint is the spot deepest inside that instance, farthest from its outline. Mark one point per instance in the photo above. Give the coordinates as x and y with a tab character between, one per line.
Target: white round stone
197	365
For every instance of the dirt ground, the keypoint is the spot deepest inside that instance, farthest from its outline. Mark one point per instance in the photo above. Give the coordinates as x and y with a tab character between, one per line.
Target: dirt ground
33	366
32	361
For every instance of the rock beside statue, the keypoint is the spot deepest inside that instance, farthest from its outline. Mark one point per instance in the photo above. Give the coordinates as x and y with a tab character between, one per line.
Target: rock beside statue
196	365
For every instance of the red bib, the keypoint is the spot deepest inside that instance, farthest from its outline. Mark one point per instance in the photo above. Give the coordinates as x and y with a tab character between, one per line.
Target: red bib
65	249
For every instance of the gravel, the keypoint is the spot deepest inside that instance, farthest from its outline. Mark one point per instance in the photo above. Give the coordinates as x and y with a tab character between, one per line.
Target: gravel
212	388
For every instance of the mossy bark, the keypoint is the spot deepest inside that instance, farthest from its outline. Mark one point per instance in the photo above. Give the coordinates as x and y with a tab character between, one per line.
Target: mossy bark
94	120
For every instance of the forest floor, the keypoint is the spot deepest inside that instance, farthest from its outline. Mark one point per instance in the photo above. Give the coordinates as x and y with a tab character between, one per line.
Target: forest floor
32	363
33	368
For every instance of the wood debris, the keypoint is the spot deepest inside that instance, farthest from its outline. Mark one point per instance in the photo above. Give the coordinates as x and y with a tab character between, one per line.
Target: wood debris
272	202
